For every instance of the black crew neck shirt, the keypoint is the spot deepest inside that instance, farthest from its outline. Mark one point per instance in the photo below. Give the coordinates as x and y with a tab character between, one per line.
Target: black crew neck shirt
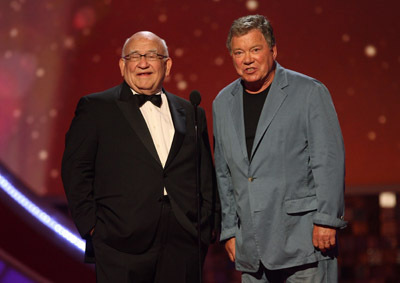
252	106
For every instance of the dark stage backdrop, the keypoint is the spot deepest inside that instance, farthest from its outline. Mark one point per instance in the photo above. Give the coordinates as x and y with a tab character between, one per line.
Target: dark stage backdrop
53	52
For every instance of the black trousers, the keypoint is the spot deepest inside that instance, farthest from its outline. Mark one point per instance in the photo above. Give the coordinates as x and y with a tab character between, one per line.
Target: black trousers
172	258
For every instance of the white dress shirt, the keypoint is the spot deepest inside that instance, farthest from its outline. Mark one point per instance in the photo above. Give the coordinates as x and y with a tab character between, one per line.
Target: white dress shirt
159	122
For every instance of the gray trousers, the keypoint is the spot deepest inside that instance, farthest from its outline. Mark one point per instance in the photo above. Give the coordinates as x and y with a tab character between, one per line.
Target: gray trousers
325	271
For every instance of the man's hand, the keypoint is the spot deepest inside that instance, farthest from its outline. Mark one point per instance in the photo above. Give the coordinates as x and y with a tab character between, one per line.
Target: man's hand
324	238
230	248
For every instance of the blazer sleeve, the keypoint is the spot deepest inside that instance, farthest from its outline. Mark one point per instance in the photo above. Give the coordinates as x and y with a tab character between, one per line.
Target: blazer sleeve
327	157
224	183
77	170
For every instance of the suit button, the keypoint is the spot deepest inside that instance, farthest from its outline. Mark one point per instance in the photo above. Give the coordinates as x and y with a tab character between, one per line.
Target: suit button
251	179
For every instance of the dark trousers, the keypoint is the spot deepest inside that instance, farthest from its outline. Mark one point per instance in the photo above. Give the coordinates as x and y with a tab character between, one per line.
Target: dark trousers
172	258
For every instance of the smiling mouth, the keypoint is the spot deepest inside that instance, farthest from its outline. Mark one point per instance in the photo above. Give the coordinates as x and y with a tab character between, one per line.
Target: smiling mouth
144	74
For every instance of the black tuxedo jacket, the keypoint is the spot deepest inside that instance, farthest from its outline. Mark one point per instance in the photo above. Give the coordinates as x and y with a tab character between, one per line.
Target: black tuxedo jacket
113	177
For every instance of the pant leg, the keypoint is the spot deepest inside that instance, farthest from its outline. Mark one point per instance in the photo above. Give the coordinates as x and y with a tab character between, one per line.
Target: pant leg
115	266
324	271
259	276
179	258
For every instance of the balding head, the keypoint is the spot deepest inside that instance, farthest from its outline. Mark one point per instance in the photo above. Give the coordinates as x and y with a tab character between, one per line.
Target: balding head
163	49
145	62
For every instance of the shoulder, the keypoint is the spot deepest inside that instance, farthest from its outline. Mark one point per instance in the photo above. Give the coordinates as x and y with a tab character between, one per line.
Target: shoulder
99	101
296	79
178	101
227	91
105	95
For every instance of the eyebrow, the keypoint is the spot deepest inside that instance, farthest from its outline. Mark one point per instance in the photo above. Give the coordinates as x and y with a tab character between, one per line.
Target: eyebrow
137	51
254	46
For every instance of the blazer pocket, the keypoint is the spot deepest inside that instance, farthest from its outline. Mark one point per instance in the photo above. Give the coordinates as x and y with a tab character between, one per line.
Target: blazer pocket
295	206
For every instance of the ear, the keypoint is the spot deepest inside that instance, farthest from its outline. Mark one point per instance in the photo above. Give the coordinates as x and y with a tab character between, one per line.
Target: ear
122	66
274	51
168	65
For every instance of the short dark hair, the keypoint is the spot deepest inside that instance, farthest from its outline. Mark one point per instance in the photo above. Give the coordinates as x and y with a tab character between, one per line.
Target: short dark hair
243	25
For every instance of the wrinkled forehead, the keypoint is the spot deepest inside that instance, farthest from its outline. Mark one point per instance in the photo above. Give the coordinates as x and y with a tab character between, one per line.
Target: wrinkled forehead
144	44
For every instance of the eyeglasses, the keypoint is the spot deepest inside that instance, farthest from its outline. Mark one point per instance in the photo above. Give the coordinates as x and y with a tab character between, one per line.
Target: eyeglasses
150	56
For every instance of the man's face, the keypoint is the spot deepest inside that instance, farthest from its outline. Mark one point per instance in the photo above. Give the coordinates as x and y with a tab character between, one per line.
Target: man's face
145	76
253	59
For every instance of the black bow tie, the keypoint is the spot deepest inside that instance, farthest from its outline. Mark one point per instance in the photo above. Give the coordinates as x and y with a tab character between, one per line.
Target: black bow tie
154	98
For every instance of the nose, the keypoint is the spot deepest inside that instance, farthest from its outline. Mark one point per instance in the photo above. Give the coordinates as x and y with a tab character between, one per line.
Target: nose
143	62
247	58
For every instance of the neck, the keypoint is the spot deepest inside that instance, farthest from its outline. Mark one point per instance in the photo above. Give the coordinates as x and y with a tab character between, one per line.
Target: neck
259	86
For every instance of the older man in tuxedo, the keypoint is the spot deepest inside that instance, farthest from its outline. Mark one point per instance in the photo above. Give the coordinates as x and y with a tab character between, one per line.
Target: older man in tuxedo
129	172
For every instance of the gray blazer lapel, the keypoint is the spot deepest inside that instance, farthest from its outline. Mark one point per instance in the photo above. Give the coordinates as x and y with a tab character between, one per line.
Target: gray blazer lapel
274	100
178	115
131	111
236	106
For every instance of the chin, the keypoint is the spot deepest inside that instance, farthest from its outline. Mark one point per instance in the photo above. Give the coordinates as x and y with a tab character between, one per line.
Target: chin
251	79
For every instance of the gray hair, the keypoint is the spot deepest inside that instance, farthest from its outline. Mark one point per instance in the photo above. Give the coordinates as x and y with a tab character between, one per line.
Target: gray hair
162	41
243	25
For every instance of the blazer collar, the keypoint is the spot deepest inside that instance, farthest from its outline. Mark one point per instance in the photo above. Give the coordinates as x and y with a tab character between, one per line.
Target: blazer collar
130	110
178	115
275	98
236	106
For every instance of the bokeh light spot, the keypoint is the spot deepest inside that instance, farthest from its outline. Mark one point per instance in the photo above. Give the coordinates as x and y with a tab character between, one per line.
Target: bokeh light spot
16	113
15	5
387	199
86	31
318	10
162	18
193	77
179	52
30	120
345	37
96	58
382	119
53	113
370	51
43	154
181	85
371	135
197	32
54	173
40	72
35	135
178	77
84	18
8	54
69	42
219	61
252	5
14	32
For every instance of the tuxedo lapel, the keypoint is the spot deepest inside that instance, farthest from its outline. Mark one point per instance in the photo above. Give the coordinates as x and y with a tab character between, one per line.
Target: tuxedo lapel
179	119
127	104
236	106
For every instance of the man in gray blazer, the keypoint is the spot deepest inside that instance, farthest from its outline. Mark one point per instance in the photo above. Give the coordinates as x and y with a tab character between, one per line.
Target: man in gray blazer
279	159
